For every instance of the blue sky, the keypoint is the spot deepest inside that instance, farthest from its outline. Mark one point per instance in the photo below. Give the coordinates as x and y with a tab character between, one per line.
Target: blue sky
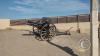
99	5
19	9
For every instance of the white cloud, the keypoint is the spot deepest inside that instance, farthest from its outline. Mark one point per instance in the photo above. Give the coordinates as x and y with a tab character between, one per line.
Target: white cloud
99	5
43	6
25	10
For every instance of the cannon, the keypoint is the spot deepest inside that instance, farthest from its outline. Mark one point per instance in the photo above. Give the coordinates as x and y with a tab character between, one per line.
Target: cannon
43	29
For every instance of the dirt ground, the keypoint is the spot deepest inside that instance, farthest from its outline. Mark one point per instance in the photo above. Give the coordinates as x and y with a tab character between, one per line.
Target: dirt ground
20	43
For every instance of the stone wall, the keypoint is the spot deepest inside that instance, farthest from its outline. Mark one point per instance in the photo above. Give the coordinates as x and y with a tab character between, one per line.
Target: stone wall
4	23
62	27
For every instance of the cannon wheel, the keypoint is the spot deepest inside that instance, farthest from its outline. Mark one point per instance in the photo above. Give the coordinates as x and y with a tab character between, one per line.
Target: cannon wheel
37	36
52	30
43	35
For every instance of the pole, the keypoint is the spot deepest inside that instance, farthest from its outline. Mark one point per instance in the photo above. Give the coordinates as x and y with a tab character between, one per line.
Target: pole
78	28
94	27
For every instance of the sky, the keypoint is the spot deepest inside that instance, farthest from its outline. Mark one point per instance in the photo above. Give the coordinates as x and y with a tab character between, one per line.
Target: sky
99	5
20	9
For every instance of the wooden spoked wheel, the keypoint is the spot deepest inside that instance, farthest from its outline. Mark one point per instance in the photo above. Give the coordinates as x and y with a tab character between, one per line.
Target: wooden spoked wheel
52	30
44	35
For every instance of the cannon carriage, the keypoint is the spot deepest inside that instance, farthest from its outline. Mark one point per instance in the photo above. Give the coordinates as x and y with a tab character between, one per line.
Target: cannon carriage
43	29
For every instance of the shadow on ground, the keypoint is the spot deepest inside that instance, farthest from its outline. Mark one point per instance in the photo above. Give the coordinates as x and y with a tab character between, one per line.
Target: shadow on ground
27	34
66	49
57	34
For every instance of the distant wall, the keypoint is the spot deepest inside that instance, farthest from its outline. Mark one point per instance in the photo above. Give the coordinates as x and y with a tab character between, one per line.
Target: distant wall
57	19
84	27
21	27
4	23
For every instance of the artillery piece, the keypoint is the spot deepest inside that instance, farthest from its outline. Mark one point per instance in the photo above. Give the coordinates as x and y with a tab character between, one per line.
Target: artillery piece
43	29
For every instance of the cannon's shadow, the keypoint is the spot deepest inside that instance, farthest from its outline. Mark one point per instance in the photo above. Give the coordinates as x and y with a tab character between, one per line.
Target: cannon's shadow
57	33
27	34
66	49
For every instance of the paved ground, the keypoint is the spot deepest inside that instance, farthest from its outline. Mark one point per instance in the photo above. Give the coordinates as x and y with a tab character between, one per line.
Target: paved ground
16	43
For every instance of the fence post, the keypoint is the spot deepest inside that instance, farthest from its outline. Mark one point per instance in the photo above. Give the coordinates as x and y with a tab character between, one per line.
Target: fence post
66	19
57	19
78	28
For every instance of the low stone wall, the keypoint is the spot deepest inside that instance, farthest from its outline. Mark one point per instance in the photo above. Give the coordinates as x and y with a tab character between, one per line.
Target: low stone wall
4	23
84	27
21	27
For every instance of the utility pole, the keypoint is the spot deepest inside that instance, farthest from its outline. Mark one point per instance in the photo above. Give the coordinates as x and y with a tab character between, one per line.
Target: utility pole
94	27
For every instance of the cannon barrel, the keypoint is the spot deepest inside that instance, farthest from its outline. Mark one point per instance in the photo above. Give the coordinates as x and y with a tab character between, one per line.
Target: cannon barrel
35	24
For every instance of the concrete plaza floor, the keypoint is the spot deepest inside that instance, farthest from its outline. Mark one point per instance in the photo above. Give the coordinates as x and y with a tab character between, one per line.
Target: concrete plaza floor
19	43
